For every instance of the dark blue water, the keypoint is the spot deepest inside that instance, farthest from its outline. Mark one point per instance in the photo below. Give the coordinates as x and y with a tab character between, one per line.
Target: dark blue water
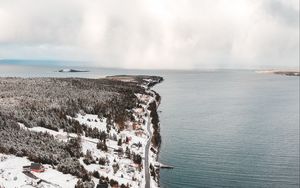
230	129
219	128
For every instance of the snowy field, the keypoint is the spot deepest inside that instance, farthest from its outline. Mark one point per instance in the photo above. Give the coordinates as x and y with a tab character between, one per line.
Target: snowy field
11	175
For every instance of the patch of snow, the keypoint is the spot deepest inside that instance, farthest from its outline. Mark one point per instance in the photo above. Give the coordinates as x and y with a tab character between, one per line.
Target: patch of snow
11	175
91	120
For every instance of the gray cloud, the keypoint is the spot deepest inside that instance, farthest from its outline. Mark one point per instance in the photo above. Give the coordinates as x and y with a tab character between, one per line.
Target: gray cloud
185	34
286	13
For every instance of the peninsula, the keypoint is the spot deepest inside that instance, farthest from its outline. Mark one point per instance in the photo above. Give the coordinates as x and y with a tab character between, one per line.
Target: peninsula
77	132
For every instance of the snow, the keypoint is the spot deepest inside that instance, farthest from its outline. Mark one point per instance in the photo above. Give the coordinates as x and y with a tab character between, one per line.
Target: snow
91	120
58	178
127	169
11	175
11	171
60	135
91	145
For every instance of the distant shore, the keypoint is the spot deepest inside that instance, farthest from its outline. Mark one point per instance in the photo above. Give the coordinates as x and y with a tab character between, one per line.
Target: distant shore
281	72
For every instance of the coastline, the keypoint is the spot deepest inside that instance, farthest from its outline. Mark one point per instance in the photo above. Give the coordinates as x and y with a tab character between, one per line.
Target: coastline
154	147
153	128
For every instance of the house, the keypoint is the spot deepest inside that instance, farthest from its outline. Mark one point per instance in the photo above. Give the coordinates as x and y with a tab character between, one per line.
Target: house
34	167
130	169
119	151
138	145
139	133
136	126
153	150
127	140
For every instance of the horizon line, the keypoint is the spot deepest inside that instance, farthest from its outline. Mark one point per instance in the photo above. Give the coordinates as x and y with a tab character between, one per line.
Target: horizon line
54	62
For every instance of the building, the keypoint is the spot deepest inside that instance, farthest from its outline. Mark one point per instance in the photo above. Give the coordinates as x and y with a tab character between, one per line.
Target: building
136	126
34	167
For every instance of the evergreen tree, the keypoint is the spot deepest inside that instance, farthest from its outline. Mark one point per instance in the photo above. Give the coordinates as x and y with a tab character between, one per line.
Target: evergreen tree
120	142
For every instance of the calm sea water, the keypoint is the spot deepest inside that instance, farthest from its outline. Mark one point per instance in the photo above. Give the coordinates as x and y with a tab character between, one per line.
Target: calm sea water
219	128
230	129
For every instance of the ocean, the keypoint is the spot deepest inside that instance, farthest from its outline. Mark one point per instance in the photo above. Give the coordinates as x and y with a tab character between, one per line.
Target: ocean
220	128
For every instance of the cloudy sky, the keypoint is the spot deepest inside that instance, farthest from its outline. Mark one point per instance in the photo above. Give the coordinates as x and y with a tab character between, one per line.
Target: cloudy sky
167	34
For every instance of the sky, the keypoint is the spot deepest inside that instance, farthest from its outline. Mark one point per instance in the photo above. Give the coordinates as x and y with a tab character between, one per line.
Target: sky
153	34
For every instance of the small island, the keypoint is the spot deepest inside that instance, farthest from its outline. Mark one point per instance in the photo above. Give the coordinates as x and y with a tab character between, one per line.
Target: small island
72	70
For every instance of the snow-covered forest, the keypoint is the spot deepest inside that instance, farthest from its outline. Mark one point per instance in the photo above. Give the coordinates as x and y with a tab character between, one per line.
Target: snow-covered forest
55	103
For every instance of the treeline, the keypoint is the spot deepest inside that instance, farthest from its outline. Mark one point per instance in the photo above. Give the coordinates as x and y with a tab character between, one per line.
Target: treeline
156	137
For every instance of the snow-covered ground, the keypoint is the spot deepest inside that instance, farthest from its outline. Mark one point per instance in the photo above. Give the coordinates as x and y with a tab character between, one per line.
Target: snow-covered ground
91	120
11	175
128	173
